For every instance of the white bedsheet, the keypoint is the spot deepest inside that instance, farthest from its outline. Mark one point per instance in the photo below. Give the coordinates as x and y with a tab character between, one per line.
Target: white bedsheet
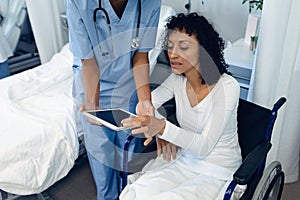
38	139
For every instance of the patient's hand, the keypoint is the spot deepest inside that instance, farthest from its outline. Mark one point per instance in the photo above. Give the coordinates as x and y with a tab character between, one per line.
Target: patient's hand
167	149
89	106
148	125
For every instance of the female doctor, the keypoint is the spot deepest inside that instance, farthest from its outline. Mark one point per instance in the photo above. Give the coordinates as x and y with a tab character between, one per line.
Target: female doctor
112	39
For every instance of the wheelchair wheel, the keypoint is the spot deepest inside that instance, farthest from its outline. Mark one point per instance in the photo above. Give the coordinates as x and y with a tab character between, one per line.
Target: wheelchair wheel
271	184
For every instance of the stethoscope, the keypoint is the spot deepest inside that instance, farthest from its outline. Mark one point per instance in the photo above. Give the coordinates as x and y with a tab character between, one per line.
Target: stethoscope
135	42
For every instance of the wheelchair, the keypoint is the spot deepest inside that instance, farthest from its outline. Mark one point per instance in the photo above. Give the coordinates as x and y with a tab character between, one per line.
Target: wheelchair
255	125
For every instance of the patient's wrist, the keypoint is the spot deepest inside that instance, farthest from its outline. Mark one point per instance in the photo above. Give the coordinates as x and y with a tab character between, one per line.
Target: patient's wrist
162	130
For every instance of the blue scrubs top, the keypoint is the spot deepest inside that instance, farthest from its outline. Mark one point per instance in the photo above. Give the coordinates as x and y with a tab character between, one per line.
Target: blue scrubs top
117	87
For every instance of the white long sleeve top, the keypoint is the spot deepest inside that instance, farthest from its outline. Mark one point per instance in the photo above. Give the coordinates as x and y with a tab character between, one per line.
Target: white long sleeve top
208	131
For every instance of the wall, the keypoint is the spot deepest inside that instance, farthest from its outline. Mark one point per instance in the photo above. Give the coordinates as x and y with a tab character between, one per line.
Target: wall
228	16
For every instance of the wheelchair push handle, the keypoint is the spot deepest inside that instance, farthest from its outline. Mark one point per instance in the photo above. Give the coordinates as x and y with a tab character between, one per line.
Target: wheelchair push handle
280	102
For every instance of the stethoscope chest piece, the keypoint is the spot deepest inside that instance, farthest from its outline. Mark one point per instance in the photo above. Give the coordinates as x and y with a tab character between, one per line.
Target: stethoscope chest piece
135	43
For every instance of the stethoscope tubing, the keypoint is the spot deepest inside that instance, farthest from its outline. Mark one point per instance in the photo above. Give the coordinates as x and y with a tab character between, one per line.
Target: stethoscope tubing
100	8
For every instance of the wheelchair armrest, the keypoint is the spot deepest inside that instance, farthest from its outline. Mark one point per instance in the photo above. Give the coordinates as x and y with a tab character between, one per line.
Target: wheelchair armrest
251	163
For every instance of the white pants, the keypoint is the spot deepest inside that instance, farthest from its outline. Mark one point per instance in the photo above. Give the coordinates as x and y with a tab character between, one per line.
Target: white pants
173	182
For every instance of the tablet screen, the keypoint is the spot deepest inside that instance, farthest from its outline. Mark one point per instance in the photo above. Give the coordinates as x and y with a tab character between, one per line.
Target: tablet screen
114	116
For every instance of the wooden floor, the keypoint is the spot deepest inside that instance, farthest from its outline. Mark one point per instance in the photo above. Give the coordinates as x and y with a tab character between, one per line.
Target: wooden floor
79	185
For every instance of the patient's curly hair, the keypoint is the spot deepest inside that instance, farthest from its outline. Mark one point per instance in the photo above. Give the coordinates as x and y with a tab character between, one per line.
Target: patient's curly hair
212	63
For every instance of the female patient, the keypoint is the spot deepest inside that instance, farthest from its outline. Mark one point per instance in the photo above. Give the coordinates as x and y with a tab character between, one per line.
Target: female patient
206	109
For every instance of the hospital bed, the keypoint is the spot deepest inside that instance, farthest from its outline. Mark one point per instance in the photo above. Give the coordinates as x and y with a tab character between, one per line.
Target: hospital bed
38	134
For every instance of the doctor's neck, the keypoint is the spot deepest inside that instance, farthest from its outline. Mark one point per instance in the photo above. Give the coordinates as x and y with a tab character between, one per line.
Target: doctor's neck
118	6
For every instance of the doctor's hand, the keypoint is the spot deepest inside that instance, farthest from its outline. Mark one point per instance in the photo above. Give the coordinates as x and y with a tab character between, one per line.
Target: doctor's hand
89	106
148	125
167	149
145	107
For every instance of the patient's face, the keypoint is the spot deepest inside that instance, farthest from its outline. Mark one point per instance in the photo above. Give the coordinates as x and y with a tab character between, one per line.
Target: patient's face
183	52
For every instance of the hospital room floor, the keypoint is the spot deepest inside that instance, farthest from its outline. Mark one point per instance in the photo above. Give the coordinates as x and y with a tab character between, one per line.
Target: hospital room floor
79	185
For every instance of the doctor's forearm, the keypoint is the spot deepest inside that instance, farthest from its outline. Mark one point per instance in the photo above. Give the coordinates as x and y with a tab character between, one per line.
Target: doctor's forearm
91	77
141	75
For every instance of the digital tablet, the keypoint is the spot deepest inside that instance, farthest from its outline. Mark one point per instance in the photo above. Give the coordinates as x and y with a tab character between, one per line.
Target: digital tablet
110	118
